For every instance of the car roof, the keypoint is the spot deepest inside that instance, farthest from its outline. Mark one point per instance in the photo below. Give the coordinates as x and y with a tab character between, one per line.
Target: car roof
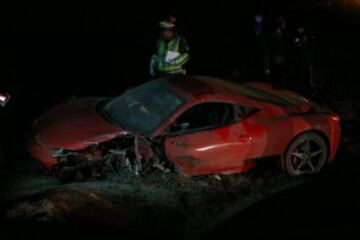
199	86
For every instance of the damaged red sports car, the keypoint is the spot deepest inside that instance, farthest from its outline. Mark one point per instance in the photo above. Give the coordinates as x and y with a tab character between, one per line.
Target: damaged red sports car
191	125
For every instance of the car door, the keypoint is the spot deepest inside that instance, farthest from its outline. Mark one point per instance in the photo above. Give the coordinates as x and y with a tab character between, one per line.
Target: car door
211	148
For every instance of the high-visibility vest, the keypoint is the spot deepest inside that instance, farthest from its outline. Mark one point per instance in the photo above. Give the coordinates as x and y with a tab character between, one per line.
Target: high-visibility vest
177	64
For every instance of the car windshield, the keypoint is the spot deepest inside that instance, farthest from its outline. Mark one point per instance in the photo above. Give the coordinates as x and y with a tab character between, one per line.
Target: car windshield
143	109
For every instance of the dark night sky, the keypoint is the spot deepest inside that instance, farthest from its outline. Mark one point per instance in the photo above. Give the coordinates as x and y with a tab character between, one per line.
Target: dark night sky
50	51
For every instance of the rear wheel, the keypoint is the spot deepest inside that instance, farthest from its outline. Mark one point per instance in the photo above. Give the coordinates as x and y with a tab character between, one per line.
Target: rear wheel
307	154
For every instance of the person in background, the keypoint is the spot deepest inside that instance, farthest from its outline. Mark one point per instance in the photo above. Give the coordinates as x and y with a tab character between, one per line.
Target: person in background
172	51
259	47
275	54
259	25
302	61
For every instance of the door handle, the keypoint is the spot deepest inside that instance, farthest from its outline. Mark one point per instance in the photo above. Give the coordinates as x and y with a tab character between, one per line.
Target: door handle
244	138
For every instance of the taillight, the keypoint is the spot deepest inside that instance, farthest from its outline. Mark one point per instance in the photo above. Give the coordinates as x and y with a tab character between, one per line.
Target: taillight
335	118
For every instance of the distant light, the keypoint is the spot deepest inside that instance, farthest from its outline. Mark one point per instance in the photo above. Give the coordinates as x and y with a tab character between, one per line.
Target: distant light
3	98
351	3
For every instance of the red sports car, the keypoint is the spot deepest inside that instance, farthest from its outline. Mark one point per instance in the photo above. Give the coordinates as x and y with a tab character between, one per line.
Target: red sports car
192	125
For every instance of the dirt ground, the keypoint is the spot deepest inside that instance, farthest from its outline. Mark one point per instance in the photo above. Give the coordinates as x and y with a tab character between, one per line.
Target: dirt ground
161	202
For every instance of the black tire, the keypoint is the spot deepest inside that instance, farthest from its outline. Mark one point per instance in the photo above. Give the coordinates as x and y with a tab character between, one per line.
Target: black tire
307	154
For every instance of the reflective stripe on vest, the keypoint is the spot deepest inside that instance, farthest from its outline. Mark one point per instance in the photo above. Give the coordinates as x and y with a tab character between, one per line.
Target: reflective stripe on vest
163	48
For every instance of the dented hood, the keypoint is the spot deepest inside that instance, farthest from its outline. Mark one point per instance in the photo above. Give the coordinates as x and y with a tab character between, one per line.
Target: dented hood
74	125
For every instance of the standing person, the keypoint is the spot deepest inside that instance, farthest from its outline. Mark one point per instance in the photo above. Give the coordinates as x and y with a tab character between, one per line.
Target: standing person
172	51
259	25
259	47
275	57
302	61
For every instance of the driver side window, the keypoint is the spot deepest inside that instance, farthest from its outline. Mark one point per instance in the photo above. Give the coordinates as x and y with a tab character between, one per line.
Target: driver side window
205	116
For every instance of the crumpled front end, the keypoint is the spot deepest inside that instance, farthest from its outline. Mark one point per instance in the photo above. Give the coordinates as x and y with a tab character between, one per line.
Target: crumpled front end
134	154
42	154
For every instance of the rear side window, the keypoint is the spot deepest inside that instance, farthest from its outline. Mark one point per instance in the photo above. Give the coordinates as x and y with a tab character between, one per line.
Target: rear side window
206	116
242	112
